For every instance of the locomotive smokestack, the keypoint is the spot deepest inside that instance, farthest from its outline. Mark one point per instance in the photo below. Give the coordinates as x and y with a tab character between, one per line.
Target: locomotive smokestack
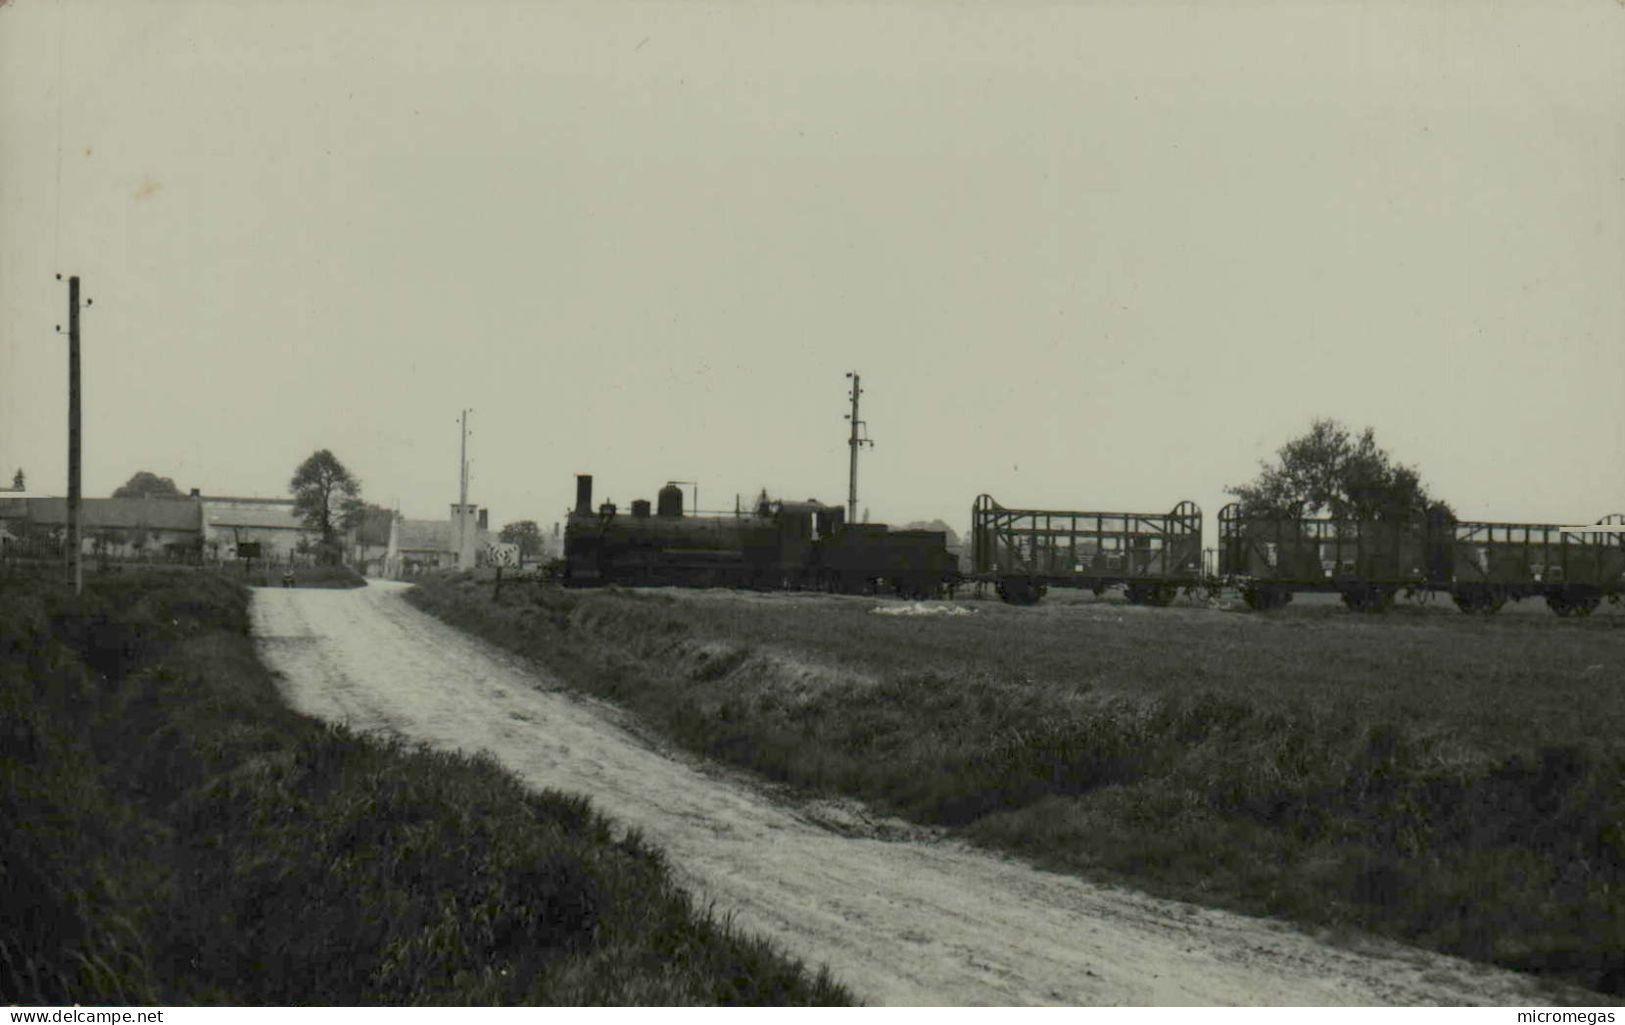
670	500
583	494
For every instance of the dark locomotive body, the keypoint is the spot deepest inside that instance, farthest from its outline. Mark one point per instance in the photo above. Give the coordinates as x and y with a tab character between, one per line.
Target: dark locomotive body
773	545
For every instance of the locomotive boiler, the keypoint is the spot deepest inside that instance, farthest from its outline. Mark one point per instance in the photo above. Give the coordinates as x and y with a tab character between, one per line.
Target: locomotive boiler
772	545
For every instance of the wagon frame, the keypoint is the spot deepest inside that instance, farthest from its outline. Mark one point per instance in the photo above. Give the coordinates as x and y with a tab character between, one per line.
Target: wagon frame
1024	552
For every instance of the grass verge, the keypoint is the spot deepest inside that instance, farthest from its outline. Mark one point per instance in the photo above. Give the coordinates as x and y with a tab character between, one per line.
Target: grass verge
176	835
303	576
1439	779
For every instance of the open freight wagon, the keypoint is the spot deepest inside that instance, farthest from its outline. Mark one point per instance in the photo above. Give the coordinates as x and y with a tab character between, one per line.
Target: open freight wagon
1479	564
1024	552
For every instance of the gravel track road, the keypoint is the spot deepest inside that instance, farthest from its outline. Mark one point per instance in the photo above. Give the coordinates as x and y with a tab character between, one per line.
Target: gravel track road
899	914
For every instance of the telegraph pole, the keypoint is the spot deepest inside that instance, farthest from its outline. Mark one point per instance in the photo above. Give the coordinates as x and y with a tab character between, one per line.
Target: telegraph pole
462	491
75	555
855	441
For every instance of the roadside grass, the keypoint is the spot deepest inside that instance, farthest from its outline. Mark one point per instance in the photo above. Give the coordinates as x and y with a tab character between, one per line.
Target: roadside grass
176	835
303	576
1447	780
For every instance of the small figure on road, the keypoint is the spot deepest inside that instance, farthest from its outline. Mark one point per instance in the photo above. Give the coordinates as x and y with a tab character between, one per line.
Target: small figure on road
287	578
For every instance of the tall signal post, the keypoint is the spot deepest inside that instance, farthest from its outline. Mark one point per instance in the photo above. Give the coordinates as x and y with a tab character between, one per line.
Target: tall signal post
857	439
462	490
75	555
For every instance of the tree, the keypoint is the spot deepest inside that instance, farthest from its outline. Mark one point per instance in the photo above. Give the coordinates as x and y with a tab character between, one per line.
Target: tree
1329	472
524	533
146	484
372	525
328	498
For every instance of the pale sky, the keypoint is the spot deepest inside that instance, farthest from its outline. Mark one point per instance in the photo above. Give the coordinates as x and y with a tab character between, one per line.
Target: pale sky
1085	256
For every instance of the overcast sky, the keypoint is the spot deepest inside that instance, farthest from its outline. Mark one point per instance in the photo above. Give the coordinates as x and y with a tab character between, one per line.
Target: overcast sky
1097	256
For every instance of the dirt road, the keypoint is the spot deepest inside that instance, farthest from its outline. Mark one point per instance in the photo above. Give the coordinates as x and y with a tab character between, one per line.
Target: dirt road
899	915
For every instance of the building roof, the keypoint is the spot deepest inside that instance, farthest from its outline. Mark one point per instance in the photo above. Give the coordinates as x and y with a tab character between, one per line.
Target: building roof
245	500
424	536
276	517
109	513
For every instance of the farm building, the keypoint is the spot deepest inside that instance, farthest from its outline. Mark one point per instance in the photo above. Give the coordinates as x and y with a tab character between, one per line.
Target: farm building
269	522
119	527
419	545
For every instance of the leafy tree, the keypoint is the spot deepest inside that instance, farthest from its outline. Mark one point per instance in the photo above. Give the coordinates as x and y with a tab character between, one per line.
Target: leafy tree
328	498
524	533
146	484
1328	471
372	527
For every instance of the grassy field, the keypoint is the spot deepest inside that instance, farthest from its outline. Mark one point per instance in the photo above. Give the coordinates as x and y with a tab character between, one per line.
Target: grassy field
1449	780
175	835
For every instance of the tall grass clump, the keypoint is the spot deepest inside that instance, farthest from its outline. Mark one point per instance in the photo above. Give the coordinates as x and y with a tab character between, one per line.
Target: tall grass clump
1438	780
177	835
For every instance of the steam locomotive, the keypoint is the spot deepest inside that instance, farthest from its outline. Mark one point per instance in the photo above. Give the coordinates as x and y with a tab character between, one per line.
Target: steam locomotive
1152	556
774	544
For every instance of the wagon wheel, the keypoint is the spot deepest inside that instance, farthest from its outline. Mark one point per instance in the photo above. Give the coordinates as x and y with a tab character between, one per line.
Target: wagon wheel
1559	603
1586	606
1020	592
1371	598
1264	597
1486	600
1161	594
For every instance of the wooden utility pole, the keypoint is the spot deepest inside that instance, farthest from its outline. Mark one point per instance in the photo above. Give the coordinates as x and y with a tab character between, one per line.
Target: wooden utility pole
462	492
855	441
75	554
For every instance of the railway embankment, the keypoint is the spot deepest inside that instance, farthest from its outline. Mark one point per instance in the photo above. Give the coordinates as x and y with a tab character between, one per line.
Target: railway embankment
1439	779
177	835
